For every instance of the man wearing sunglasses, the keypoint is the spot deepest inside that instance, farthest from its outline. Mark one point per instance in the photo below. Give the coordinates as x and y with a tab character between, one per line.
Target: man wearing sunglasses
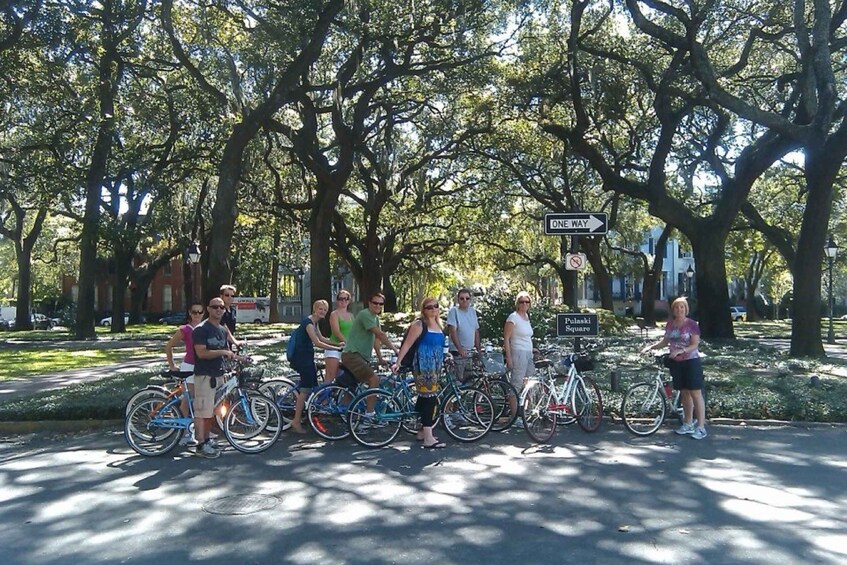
362	342
211	346
463	329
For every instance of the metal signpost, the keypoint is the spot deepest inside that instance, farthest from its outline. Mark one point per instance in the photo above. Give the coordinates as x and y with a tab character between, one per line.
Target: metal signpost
574	224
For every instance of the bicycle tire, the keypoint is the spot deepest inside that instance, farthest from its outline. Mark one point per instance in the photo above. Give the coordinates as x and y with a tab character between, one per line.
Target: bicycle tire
150	391
253	423
147	437
539	420
326	410
467	414
643	408
587	404
380	428
283	392
503	395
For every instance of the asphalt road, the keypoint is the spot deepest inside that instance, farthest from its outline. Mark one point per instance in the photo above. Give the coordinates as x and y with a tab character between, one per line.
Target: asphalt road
743	495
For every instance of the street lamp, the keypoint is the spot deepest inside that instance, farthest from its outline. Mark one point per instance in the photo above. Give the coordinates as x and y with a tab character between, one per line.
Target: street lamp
831	250
690	274
193	254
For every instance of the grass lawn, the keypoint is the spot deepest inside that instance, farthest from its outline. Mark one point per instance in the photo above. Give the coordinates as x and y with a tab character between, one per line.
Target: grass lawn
33	361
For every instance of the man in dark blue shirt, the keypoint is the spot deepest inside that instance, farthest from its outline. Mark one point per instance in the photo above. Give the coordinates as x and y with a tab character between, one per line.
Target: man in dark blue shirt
210	347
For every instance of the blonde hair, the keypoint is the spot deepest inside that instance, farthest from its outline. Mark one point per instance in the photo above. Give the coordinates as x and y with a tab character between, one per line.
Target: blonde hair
522	294
430	300
681	300
227	287
320	302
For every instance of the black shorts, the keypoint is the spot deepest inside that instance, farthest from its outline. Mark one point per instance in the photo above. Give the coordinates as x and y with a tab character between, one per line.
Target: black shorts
308	373
687	375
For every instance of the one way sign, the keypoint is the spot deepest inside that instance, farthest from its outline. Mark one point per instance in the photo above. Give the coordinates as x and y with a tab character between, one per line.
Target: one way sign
590	223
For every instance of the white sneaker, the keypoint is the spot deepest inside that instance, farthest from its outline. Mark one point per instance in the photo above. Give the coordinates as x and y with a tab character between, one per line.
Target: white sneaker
214	444
213	435
187	440
207	451
699	433
686	429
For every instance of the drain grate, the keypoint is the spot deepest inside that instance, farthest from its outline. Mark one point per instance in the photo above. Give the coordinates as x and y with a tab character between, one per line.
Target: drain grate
239	504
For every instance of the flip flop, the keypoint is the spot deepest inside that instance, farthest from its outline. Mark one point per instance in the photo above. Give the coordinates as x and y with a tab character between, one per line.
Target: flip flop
421	439
436	445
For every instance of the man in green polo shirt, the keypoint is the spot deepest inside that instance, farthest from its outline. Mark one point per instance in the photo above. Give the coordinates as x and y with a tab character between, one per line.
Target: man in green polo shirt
362	342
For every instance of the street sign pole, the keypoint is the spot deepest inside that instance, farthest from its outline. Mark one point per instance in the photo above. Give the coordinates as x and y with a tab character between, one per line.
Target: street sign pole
577	342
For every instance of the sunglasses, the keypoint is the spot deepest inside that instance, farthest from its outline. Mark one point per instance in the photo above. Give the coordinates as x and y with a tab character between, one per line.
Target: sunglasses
377	303
197	312
464	298
343	298
523	301
217	306
431	307
227	295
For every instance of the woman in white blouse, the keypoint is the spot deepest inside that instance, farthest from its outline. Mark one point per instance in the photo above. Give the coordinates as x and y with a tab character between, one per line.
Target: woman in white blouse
517	342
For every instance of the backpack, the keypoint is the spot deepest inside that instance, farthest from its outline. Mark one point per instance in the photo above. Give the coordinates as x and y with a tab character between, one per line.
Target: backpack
406	361
292	345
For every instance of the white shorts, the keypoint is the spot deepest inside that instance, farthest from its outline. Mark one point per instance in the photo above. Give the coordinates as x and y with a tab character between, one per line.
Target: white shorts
332	354
186	367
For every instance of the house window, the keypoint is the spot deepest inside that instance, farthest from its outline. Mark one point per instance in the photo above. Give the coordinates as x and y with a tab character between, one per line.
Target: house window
650	246
166	297
168	271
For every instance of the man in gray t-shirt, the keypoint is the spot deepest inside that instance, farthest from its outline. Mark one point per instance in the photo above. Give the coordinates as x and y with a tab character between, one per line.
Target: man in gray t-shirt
463	330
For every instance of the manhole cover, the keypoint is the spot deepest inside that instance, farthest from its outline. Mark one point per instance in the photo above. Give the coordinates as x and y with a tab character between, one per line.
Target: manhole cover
239	504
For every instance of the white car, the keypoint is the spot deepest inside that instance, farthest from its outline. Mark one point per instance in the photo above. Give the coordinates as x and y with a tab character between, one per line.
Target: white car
107	321
738	313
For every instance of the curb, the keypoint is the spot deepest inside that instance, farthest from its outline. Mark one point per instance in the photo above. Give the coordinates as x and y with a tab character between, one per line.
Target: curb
58	426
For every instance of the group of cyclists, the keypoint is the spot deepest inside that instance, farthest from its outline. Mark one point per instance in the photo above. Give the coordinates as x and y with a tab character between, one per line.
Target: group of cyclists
356	339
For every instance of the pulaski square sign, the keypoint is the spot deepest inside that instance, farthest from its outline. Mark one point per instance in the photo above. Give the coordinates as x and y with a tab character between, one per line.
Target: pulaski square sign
577	325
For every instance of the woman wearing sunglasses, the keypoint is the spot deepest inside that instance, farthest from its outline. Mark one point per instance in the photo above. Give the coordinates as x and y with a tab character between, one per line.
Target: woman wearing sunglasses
340	321
183	334
426	367
517	342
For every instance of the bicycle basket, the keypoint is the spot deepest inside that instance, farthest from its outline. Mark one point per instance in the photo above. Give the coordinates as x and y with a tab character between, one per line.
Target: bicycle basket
584	364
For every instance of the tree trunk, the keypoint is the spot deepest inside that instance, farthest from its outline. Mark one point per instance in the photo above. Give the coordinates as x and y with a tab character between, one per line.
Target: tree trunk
23	258
821	169
591	246
123	264
320	231
712	294
137	297
390	294
273	315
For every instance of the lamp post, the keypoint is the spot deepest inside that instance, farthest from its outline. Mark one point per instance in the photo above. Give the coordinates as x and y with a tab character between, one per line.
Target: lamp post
193	253
831	250
690	274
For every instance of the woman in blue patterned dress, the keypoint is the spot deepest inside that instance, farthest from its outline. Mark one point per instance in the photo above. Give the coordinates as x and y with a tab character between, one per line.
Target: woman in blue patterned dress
426	367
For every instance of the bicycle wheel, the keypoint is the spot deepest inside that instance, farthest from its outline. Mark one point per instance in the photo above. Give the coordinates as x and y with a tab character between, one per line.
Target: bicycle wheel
283	392
253	423
539	420
379	428
643	408
327	409
149	428
467	414
504	397
150	391
587	404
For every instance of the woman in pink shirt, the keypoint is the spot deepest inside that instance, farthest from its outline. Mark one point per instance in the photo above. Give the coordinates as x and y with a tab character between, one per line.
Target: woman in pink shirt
184	334
682	336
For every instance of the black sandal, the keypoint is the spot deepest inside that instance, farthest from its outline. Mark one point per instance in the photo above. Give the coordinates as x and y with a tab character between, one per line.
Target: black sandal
436	445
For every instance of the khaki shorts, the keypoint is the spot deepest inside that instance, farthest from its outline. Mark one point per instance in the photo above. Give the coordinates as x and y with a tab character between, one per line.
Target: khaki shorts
523	368
359	367
462	364
204	396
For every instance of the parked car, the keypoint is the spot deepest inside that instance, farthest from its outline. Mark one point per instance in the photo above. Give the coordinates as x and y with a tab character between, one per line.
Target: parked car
107	321
39	322
738	313
175	318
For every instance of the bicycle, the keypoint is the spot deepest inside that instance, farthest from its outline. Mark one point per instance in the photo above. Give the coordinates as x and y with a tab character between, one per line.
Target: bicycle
577	399
251	424
644	405
503	395
466	413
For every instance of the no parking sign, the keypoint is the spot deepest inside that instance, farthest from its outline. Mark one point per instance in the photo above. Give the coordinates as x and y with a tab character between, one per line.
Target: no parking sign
575	261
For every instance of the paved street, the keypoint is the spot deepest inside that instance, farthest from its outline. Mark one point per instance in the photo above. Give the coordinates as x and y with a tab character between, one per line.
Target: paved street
743	495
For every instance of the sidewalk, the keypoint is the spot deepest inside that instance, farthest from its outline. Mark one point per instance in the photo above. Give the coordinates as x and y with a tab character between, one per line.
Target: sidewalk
10	390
